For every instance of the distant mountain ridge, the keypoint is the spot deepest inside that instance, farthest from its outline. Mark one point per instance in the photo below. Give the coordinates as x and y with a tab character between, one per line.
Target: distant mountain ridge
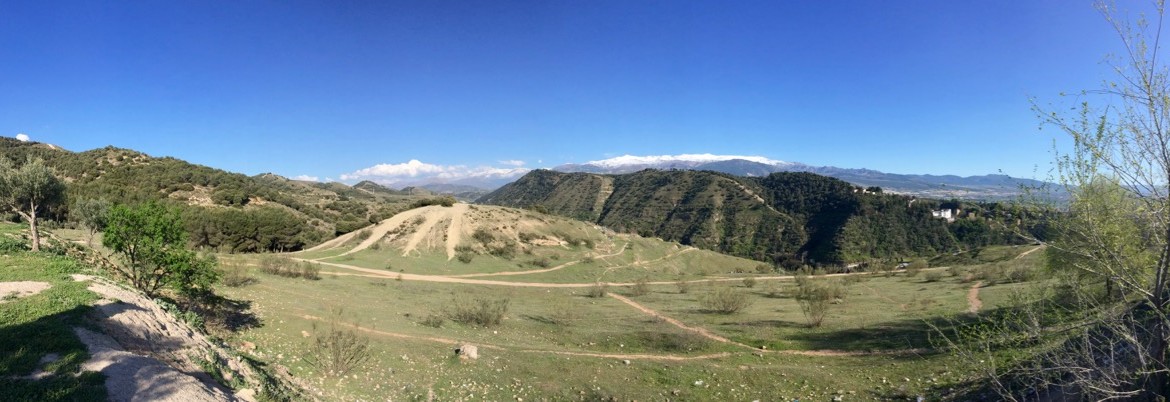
987	187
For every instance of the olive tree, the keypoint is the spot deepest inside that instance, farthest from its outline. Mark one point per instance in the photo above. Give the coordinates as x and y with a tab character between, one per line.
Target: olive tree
29	190
92	214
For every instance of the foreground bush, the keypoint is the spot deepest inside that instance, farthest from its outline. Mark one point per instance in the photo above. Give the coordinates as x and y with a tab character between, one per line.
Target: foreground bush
481	312
725	301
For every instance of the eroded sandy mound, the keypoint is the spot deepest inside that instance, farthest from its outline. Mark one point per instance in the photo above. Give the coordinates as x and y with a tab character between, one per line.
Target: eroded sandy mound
149	355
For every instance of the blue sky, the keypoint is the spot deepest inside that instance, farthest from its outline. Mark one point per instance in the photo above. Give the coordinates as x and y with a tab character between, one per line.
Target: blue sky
327	89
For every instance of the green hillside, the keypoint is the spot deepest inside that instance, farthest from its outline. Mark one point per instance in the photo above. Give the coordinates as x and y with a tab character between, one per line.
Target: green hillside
223	210
785	218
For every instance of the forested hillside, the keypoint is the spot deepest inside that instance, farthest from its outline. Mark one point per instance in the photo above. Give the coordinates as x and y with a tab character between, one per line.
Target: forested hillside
222	210
786	218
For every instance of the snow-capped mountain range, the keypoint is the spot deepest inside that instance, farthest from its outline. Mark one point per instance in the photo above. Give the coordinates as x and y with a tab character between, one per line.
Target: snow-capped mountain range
994	186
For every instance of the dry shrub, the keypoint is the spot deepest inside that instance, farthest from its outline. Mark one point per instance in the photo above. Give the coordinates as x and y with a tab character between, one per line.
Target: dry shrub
725	301
336	349
481	312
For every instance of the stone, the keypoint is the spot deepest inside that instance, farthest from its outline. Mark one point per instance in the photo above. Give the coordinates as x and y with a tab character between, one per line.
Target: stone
467	351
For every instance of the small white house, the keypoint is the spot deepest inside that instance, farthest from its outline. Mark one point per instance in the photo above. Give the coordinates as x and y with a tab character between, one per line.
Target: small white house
948	214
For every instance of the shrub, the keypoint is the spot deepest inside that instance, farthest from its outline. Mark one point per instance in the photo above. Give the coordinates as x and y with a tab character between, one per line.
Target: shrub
749	282
641	287
506	251
335	350
483	236
464	254
683	286
934	276
764	269
310	270
542	262
236	276
815	297
674	342
598	289
362	235
482	312
725	301
433	321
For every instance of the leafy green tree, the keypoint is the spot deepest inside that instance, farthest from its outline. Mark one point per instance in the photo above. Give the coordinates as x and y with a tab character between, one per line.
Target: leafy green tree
30	190
1105	327
92	214
152	243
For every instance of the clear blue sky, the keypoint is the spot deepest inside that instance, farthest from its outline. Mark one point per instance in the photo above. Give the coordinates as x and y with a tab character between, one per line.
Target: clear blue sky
328	88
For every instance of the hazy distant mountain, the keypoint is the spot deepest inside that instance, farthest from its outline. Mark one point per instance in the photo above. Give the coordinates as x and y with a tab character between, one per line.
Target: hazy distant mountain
993	186
462	192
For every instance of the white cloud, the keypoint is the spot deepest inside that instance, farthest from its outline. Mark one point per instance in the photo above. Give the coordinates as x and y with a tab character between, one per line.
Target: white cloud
513	162
627	160
418	171
22	137
306	177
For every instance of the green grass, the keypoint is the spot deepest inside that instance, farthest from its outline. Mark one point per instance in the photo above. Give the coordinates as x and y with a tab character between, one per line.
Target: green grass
409	359
35	326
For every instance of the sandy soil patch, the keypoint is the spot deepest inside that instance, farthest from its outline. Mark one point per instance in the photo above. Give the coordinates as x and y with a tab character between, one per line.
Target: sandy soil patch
15	290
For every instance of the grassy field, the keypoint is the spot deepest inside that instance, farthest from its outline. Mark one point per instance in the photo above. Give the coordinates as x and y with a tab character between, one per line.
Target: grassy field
561	339
40	327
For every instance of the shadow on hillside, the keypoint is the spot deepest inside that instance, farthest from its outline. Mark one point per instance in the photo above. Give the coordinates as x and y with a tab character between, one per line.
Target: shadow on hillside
222	313
889	336
23	345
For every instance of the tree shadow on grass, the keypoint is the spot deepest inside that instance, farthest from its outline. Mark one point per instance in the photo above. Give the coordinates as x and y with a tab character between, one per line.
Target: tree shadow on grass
890	336
22	347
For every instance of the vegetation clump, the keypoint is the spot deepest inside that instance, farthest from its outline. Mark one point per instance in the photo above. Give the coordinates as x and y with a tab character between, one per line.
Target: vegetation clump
725	300
336	349
480	312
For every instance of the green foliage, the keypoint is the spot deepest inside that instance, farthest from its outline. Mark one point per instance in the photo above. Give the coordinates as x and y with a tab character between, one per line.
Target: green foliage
93	214
815	297
481	312
725	300
445	201
749	282
641	287
150	239
803	217
30	190
289	268
236	276
598	290
33	327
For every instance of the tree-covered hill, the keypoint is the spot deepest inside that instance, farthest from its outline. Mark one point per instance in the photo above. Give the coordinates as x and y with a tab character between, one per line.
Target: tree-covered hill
222	210
785	218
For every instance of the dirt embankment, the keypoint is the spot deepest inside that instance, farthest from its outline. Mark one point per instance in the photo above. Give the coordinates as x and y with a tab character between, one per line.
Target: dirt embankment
149	355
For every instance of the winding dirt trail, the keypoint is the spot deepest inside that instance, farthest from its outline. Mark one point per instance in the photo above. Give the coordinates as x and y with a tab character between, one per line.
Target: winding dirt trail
446	341
698	330
1029	252
973	302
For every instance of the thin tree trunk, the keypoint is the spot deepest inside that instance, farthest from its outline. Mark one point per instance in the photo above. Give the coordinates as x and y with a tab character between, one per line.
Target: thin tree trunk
32	227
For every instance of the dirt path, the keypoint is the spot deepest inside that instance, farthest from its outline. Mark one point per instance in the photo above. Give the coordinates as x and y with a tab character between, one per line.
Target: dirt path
379	273
698	330
642	263
447	341
1029	252
377	232
973	302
